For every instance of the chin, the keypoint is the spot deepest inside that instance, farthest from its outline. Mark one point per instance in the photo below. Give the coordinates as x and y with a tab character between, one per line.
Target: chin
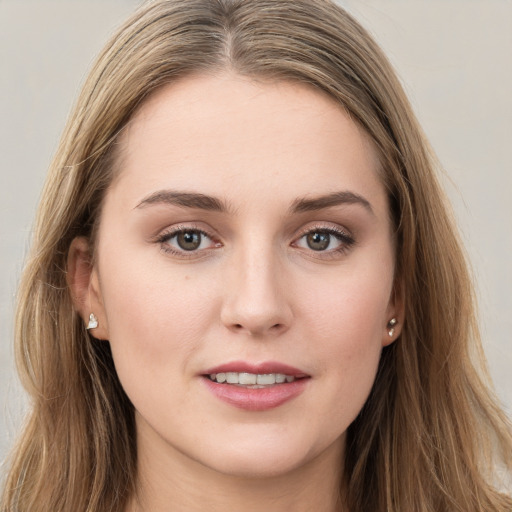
269	458
259	467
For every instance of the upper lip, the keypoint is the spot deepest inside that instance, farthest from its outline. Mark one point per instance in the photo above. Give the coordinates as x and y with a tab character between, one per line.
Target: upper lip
265	367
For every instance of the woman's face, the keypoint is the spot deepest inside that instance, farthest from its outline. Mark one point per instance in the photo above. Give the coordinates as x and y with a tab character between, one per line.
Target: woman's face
247	239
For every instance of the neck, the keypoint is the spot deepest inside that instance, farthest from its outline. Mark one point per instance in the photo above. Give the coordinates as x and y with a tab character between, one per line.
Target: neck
170	481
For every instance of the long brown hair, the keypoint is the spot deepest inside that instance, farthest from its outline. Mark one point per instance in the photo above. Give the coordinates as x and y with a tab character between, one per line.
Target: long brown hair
431	433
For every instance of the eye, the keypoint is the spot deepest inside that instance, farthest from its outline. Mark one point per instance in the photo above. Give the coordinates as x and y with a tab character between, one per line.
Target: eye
188	240
319	241
329	240
181	241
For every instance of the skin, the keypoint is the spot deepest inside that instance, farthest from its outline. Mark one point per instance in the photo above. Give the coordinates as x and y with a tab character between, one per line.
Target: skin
254	290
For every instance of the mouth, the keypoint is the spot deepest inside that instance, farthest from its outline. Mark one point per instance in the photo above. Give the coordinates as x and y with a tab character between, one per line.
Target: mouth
253	380
255	387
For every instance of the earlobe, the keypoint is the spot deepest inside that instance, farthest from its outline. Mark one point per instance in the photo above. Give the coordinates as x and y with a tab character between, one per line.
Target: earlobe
392	329
391	326
395	315
84	287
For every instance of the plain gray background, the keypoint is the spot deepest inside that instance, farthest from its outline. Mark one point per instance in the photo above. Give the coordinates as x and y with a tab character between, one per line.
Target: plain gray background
453	56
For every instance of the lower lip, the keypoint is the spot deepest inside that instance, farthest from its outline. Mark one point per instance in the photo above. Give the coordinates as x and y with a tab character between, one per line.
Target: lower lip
260	399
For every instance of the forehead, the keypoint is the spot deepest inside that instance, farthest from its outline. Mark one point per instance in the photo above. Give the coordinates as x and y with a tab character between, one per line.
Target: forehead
228	132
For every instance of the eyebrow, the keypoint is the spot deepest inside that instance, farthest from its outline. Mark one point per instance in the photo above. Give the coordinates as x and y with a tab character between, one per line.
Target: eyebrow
185	200
308	204
210	203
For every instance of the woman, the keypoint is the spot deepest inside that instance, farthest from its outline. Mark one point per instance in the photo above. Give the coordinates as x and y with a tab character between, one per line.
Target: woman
245	291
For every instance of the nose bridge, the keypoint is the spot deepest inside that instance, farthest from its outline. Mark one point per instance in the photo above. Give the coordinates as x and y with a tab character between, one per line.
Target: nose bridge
255	295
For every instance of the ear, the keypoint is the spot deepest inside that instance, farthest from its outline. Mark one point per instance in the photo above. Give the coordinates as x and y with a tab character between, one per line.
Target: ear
396	311
83	281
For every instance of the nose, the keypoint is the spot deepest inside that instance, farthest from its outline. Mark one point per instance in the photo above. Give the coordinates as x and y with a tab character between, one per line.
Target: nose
255	297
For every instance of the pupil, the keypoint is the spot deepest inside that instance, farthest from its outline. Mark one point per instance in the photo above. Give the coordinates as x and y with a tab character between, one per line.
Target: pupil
189	240
318	241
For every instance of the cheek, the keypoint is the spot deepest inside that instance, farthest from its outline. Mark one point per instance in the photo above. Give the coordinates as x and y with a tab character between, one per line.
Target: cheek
345	320
351	307
156	325
156	317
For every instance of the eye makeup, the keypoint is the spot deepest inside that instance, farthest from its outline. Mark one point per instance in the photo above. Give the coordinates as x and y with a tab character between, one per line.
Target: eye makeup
189	241
324	241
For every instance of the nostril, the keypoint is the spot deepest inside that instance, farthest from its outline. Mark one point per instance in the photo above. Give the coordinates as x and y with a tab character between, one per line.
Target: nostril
273	328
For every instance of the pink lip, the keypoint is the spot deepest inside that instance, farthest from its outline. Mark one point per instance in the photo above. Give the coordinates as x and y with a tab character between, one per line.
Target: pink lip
259	368
256	399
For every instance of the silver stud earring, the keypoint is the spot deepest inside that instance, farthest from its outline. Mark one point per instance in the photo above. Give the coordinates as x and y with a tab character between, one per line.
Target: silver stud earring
391	326
93	322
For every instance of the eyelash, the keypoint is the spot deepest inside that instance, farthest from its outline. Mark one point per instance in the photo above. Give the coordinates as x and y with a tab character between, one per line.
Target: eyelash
165	237
345	239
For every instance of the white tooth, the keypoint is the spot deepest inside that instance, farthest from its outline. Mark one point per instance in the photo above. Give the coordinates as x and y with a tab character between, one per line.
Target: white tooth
268	378
212	376
221	377
289	378
280	378
232	378
247	378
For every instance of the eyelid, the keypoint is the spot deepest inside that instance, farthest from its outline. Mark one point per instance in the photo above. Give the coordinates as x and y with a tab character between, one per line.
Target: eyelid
345	237
329	227
168	233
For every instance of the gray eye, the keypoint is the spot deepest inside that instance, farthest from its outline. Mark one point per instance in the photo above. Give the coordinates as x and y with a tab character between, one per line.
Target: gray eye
318	241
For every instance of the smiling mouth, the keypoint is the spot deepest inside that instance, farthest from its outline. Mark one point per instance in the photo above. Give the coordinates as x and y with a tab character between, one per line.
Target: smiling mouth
255	387
253	380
